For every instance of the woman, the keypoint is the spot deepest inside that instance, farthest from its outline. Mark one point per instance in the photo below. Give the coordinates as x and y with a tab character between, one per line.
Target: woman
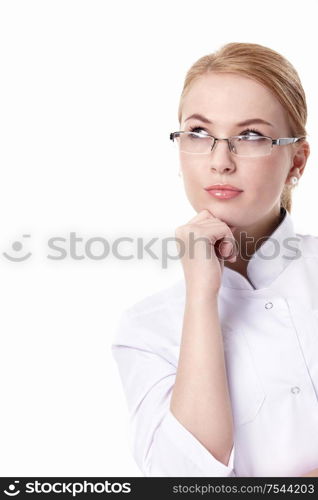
220	370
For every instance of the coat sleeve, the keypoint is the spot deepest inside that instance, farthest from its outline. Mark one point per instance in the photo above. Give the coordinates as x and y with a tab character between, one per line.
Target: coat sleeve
160	444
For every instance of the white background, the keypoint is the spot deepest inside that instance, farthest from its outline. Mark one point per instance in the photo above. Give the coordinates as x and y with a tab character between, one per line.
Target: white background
88	96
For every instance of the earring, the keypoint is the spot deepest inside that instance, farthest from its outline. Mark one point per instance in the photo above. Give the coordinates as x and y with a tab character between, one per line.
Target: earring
294	180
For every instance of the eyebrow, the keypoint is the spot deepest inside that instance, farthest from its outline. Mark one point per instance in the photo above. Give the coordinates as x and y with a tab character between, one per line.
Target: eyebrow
241	124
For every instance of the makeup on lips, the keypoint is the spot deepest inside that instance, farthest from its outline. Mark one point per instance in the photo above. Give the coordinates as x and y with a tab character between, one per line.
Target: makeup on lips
223	191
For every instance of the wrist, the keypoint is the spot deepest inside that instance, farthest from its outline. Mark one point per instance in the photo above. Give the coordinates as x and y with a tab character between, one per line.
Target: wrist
209	297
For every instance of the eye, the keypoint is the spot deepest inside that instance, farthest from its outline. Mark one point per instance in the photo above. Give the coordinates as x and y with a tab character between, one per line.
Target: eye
250	131
195	128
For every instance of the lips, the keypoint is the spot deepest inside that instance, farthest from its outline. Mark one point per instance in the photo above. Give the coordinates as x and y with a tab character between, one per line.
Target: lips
223	191
221	187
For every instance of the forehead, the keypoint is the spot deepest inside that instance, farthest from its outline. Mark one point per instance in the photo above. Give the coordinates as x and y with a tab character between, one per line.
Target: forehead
230	98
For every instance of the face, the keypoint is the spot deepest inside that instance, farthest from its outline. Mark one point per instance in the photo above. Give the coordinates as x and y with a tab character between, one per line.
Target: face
226	100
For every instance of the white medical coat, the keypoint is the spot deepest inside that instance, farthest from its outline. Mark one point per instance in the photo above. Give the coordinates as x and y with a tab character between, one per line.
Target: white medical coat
269	325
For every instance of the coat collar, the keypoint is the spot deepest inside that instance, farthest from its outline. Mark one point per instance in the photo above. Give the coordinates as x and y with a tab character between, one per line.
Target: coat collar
270	259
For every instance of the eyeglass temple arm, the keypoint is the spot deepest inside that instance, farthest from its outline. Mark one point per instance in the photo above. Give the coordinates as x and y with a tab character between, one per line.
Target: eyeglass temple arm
286	140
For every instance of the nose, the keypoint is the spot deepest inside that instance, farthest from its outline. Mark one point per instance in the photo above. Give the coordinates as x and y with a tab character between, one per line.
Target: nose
221	158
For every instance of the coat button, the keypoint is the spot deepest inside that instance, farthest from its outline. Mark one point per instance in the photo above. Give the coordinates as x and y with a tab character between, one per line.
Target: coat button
295	389
269	305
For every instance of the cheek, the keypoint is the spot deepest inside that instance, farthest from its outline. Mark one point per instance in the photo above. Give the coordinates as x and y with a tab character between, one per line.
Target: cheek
194	181
193	171
265	178
192	187
188	163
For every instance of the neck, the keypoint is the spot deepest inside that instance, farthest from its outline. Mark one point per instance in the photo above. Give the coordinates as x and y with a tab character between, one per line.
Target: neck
250	238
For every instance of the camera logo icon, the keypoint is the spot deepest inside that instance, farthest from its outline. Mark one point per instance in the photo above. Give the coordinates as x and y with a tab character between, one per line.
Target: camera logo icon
13	492
17	246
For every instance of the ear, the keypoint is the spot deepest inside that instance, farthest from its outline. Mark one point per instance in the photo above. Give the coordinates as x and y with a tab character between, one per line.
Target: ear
299	160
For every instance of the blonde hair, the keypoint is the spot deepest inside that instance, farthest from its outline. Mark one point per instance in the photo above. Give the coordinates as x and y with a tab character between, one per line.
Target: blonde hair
267	67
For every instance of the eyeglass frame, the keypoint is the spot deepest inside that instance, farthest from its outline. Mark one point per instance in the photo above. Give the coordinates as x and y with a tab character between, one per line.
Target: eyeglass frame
281	141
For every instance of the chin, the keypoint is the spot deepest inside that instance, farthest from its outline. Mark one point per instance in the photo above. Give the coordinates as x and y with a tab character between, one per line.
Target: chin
229	215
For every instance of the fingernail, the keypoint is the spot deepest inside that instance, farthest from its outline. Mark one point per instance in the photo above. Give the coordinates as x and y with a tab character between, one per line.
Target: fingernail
227	251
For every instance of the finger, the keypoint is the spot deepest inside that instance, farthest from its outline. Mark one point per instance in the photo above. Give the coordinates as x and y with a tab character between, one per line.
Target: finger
227	250
221	234
217	230
225	243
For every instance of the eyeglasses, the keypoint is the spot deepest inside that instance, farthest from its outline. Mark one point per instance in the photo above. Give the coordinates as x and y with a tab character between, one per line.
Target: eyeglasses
240	145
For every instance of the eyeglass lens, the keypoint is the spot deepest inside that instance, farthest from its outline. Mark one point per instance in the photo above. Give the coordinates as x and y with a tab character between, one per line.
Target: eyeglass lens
244	146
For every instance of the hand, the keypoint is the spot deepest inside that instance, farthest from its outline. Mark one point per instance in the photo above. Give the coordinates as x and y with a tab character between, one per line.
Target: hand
205	242
312	473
